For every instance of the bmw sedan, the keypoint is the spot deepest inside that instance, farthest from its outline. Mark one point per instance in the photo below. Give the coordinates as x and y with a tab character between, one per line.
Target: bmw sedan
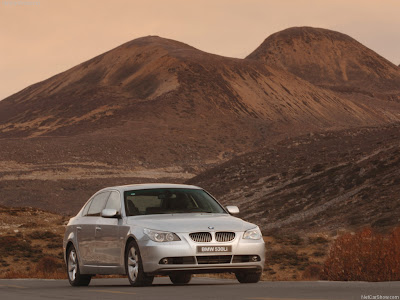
160	229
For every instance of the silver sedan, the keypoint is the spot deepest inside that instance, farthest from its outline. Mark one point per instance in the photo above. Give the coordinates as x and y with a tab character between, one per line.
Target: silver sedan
160	229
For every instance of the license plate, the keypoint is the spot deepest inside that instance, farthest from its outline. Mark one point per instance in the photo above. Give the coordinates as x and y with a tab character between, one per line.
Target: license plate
214	249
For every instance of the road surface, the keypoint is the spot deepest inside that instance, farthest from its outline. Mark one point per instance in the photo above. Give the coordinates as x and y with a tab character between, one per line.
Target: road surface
199	288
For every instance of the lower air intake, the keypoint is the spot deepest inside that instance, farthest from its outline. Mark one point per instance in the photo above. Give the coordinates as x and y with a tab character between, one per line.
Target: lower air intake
215	259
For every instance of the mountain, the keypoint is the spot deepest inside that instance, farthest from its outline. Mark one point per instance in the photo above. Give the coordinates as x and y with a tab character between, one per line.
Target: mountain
162	79
323	182
155	109
155	102
332	60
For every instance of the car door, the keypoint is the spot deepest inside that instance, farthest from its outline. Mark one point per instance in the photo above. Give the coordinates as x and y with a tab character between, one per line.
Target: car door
86	230
108	241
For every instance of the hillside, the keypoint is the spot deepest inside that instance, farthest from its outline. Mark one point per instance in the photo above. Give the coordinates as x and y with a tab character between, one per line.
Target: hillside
315	183
332	60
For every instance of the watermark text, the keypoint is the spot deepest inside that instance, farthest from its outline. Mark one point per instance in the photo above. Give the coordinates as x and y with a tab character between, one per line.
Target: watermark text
379	297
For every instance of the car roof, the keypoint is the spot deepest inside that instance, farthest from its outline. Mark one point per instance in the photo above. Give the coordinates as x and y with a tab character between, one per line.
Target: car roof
146	186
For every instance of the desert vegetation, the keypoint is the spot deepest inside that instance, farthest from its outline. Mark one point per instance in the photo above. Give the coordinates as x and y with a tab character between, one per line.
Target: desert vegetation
364	256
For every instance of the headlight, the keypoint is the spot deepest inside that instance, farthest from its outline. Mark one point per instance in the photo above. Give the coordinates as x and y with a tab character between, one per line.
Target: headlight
161	236
252	234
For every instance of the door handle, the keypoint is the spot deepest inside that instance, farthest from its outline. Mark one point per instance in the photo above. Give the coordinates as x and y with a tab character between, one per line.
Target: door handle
79	228
98	228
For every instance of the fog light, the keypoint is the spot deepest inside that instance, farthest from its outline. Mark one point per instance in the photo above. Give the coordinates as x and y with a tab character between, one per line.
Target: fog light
165	261
254	258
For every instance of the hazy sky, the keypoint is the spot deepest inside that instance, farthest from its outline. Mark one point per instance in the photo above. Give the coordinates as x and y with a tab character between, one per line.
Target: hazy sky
40	38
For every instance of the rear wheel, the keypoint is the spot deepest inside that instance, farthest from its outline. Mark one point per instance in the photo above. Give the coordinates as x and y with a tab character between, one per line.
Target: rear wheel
75	277
134	266
248	277
180	278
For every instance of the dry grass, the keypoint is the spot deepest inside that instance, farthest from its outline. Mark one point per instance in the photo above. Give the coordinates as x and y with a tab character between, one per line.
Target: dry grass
293	257
48	267
31	243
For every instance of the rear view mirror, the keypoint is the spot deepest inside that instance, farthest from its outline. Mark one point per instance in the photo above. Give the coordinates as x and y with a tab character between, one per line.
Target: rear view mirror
109	213
232	209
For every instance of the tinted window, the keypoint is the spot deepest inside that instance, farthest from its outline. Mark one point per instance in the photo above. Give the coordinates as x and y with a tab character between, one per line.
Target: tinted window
114	201
98	203
169	201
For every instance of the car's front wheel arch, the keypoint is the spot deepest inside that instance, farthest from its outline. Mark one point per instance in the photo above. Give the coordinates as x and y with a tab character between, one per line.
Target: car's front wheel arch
67	248
133	262
75	277
128	241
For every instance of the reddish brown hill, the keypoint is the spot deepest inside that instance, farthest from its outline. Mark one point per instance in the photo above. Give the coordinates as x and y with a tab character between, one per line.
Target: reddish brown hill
331	59
163	80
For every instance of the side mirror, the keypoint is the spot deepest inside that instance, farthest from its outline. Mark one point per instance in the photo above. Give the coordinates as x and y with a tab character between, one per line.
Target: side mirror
109	213
232	209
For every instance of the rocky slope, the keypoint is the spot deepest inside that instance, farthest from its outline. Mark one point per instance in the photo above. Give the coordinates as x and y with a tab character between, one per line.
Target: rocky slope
318	182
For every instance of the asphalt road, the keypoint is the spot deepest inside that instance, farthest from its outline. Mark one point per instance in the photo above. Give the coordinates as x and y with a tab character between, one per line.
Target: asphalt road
199	288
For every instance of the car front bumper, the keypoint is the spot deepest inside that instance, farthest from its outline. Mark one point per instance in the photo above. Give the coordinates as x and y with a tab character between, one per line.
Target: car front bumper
183	255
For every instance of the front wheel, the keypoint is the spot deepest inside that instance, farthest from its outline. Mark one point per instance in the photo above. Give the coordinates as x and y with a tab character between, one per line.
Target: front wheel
248	277
134	266
75	277
179	279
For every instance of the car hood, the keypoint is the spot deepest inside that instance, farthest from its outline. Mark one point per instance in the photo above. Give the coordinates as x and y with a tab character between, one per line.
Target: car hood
186	223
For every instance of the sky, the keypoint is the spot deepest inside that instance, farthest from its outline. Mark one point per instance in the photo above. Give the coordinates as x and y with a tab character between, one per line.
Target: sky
41	38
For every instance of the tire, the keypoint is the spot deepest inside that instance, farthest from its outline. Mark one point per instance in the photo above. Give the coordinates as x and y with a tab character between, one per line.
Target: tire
134	266
248	277
180	278
75	277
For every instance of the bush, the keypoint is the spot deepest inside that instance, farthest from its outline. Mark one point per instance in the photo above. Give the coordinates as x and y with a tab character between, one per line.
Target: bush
13	246
318	253
364	256
288	257
317	240
312	272
43	235
48	265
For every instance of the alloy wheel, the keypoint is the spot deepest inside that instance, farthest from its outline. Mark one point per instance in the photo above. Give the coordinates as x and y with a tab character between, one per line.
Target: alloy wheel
72	264
133	264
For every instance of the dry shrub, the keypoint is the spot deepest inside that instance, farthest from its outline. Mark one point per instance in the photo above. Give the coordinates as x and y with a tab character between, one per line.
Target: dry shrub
13	246
312	272
49	265
364	256
43	235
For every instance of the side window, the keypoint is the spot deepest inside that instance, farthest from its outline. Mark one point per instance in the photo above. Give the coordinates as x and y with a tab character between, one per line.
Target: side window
85	210
114	201
98	204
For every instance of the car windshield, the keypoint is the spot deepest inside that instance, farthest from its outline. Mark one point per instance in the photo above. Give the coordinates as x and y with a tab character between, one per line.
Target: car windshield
169	201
